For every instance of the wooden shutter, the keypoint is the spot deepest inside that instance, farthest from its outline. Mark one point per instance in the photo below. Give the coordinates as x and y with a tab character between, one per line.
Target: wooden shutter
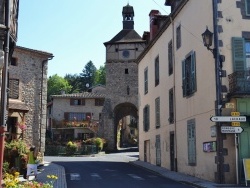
157	112
146	118
146	81
66	116
158	150
193	73
157	73
184	80
247	4
191	143
13	88
239	55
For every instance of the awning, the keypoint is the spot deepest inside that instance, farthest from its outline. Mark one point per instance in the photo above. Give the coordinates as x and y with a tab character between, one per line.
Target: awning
17	106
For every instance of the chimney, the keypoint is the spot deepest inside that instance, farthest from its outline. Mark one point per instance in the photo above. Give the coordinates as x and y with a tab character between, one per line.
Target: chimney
153	24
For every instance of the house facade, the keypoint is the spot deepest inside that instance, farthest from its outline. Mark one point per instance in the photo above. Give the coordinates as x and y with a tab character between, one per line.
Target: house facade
178	89
75	116
27	96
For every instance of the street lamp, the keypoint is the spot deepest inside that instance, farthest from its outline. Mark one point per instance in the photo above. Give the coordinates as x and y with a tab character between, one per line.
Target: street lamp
207	37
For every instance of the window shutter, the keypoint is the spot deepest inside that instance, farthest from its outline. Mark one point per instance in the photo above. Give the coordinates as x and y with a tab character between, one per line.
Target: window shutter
146	81
239	56
82	102
247	4
66	116
184	81
71	101
157	112
193	73
191	144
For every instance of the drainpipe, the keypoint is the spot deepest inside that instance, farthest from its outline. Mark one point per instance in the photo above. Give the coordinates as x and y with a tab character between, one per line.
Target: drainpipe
3	114
173	59
219	138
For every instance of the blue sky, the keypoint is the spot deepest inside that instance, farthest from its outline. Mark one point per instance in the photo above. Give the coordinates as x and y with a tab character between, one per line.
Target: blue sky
74	31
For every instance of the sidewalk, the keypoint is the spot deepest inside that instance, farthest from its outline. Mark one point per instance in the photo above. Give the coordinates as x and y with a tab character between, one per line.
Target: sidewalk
180	177
50	169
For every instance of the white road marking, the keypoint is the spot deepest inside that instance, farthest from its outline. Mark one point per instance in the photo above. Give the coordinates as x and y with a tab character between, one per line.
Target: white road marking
135	177
75	176
96	176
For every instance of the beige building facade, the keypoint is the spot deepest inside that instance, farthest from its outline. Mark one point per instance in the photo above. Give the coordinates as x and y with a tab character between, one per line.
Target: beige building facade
75	116
177	89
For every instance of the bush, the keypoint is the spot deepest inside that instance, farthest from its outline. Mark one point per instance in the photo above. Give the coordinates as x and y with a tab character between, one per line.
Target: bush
71	148
99	144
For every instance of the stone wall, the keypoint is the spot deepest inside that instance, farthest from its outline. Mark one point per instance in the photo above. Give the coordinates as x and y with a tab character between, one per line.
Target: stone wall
31	70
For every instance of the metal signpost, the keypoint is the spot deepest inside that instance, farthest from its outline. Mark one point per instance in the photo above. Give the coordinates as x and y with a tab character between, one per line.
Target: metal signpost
235	120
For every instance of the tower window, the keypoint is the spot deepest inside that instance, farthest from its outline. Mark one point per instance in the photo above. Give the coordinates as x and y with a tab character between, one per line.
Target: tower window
126	71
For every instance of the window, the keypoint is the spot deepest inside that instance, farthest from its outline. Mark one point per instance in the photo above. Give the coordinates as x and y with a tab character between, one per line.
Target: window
178	37
146	81
247	2
157	74
146	118
126	71
191	136
158	150
171	106
77	116
13	61
170	58
157	112
99	102
13	88
189	75
75	102
241	54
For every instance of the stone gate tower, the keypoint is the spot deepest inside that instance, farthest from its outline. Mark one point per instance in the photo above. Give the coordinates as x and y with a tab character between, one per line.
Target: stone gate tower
121	77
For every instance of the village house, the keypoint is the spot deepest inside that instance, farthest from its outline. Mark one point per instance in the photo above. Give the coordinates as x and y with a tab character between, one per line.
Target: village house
75	116
183	83
27	96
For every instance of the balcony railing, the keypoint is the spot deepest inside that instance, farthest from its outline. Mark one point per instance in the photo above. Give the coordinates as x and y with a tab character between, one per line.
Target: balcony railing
239	83
93	124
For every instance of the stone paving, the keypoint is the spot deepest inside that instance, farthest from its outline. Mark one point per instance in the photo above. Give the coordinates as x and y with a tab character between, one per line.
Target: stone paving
50	169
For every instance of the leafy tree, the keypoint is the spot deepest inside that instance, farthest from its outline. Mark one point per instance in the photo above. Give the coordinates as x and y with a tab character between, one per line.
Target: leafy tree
87	77
56	85
100	77
74	81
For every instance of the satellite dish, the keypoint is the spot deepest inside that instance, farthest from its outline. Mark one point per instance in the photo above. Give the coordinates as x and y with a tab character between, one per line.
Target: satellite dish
87	85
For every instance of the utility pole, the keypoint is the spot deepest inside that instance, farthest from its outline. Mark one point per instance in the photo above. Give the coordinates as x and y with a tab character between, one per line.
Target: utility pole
3	113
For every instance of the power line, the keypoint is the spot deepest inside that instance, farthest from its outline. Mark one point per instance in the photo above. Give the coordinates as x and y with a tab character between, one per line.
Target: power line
160	6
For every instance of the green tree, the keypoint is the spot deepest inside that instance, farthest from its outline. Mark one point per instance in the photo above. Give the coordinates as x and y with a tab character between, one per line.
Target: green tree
74	81
56	85
87	77
100	77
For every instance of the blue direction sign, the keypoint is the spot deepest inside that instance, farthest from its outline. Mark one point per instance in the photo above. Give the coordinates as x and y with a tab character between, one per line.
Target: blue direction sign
228	118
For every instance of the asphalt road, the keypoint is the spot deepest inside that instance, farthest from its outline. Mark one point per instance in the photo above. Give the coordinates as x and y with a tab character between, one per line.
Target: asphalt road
108	171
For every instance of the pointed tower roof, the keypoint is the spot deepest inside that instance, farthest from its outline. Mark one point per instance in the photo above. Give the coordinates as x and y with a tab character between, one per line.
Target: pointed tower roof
127	34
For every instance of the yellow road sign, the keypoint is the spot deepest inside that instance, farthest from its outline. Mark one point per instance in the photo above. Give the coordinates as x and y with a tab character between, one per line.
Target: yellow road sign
235	113
235	124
